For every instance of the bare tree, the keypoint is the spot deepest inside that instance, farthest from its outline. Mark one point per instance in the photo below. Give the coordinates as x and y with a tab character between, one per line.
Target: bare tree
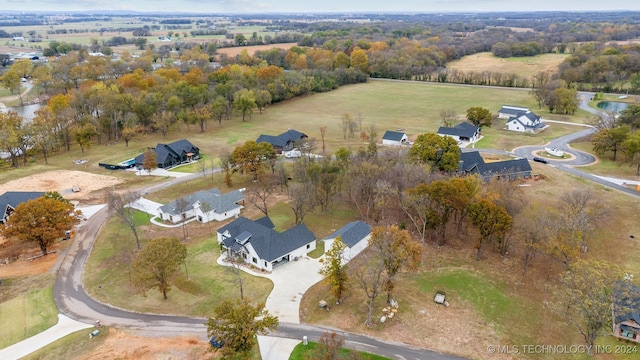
448	117
119	204
260	194
206	208
300	201
181	208
323	133
370	277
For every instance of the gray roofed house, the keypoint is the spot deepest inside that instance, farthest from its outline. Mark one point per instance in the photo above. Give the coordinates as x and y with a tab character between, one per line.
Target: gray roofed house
395	138
627	321
283	142
170	155
525	122
262	246
461	132
355	235
472	163
204	205
11	199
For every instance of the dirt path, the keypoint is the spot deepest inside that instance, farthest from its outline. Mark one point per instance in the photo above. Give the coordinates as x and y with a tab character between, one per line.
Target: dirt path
11	98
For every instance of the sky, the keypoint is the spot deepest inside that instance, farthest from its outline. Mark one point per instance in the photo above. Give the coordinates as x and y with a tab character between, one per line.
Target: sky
297	6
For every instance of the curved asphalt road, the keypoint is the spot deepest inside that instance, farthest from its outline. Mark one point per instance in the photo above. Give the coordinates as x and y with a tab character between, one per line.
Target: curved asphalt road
74	302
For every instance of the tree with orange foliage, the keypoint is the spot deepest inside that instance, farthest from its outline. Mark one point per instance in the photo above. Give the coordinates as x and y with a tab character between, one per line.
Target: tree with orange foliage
42	220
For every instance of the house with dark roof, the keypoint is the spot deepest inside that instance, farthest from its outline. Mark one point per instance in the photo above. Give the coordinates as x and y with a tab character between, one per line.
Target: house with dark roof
355	235
527	122
11	199
204	205
394	138
627	322
463	132
472	163
260	245
170	155
283	142
507	111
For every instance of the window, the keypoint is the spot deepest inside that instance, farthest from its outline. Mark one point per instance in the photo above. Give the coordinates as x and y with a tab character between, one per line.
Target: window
244	256
308	246
255	261
265	264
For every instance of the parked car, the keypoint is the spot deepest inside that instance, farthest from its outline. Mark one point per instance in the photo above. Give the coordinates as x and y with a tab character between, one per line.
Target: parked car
216	343
541	160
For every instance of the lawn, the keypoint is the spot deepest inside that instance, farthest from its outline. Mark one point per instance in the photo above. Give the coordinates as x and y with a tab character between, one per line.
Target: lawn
301	351
605	165
207	284
28	313
72	346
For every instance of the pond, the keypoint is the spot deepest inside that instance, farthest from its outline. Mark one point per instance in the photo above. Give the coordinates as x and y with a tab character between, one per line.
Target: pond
27	111
612	106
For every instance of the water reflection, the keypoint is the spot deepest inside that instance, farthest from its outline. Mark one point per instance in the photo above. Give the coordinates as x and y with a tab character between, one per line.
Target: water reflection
27	111
613	106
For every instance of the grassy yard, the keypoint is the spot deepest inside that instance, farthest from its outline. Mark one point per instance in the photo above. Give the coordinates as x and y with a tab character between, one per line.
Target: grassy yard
71	346
107	277
605	165
29	312
301	351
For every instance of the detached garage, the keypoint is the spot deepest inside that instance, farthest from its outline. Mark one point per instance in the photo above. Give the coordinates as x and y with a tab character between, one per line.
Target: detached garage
355	235
394	138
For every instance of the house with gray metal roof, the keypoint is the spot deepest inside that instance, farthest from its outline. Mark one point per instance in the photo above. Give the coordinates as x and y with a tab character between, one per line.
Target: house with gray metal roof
11	199
170	155
395	138
283	142
204	205
525	122
355	235
472	163
462	132
260	245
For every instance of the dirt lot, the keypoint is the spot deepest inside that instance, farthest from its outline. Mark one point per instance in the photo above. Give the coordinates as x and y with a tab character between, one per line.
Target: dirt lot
121	344
62	182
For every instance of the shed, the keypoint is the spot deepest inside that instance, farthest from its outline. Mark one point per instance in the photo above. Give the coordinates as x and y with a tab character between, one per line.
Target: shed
394	138
355	235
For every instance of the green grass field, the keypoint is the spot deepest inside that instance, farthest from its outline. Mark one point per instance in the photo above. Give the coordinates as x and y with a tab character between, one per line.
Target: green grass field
107	276
301	352
388	105
27	314
71	346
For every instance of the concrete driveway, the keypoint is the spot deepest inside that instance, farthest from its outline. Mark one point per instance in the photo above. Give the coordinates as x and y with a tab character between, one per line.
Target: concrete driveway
146	205
290	281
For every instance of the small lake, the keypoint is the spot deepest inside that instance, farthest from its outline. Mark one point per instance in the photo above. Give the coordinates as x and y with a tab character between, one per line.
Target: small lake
612	106
27	111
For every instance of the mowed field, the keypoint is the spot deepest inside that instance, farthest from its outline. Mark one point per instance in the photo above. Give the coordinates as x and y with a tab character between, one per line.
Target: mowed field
387	105
523	66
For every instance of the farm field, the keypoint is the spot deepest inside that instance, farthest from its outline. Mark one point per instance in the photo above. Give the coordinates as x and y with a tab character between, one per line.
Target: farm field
523	66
